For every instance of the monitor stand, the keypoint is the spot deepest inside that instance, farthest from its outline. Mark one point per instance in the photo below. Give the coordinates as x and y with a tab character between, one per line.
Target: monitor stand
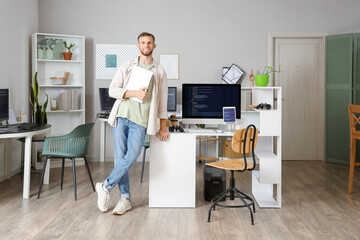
231	127
4	125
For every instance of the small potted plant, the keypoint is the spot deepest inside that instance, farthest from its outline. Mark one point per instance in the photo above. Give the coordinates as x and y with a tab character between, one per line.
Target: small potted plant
68	54
263	80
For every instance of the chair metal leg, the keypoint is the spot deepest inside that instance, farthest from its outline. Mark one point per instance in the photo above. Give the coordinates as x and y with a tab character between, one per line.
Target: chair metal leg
217	199
88	170
247	205
143	165
247	197
42	176
62	173
74	177
233	193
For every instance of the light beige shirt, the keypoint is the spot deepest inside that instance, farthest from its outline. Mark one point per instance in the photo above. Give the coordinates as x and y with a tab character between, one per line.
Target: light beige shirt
158	104
135	111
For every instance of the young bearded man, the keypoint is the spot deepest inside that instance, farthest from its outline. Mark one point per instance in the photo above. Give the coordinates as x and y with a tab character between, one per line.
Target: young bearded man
131	120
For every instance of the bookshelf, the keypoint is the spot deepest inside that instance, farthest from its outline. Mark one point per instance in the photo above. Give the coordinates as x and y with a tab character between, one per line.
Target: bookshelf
62	121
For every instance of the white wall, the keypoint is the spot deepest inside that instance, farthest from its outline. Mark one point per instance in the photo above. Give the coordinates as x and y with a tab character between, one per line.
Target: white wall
18	20
207	34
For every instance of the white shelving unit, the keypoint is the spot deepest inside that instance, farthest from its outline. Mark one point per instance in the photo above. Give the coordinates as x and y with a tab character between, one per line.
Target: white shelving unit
266	182
62	121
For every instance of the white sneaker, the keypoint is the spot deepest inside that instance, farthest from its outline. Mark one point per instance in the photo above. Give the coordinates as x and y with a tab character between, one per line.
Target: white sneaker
103	201
122	206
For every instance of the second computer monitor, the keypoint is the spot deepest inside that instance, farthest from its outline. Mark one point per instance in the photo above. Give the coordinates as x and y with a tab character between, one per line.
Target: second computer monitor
106	102
4	104
171	104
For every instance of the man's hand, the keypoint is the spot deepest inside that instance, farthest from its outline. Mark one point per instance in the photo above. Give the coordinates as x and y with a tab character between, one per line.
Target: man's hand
140	94
164	134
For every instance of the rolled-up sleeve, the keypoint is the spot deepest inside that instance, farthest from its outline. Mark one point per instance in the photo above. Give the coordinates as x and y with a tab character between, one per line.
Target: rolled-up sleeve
163	95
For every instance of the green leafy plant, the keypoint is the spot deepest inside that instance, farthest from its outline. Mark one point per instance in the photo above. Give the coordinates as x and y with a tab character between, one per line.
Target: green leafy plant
270	69
200	125
38	111
68	47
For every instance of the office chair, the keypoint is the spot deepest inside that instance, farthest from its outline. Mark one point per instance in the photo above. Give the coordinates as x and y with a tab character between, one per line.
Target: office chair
354	117
146	145
72	145
243	141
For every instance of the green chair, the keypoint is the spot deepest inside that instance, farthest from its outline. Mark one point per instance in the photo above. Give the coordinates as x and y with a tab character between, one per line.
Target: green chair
72	145
146	145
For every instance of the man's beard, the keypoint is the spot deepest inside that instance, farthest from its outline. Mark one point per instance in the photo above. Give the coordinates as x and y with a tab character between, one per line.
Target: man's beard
146	54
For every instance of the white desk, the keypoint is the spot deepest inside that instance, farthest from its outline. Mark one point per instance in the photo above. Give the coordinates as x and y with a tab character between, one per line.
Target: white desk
27	154
103	122
172	174
172	180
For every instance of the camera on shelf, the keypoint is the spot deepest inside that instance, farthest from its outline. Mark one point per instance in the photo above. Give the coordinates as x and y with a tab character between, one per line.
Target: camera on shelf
261	106
176	128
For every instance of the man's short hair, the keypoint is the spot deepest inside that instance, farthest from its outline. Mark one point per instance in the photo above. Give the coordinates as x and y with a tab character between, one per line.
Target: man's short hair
146	34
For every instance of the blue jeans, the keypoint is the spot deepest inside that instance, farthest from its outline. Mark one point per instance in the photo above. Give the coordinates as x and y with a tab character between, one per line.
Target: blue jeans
128	142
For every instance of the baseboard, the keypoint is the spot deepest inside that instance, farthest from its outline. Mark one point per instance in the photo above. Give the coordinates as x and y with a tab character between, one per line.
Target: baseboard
13	173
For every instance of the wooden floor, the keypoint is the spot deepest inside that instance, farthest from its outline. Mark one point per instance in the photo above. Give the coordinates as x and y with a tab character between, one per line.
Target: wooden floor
315	206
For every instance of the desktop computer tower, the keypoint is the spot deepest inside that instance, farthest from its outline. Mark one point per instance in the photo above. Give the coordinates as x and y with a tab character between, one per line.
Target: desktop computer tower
214	182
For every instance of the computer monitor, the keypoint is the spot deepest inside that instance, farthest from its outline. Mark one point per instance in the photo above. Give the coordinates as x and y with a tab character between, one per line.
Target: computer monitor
171	104
206	101
4	104
106	102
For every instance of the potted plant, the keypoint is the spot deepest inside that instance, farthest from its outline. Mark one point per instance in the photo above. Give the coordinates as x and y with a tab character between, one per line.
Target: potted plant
38	111
263	80
68	54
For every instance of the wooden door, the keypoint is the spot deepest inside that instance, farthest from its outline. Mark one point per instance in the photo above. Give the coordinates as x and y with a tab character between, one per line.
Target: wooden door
302	81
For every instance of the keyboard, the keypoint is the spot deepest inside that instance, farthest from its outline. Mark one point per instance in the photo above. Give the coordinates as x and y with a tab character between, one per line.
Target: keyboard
27	126
201	130
104	115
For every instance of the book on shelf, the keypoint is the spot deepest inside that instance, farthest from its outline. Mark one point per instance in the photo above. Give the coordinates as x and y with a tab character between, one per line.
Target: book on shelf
68	100
74	99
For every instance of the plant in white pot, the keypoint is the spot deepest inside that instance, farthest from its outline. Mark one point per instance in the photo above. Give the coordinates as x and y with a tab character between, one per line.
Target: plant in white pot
68	54
263	80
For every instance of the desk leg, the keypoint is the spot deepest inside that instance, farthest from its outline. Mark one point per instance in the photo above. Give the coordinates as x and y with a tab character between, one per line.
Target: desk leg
102	141
47	172
27	168
7	158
